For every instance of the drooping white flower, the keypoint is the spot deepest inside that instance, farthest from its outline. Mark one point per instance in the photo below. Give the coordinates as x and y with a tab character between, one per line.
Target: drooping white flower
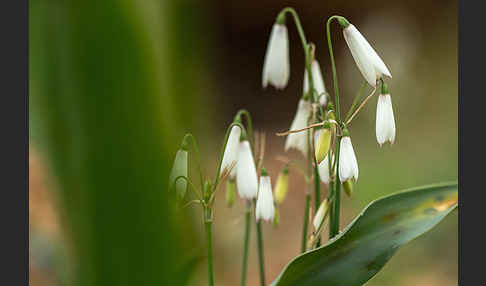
276	66
298	140
231	151
179	169
348	165
320	214
265	208
385	121
367	60
323	169
317	80
246	175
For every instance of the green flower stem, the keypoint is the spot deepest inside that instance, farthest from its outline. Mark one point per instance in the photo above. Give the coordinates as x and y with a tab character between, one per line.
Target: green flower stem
355	102
317	191
334	228
333	64
216	180
306	222
196	150
260	252
249	128
208	221
245	245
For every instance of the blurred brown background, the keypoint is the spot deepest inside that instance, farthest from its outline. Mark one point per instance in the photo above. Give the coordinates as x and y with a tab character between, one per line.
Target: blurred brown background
418	42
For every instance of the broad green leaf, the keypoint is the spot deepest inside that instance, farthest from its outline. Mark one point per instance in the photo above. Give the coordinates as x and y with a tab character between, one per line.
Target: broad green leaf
362	249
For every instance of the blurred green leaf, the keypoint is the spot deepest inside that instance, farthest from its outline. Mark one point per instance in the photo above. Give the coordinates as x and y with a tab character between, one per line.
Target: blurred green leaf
362	249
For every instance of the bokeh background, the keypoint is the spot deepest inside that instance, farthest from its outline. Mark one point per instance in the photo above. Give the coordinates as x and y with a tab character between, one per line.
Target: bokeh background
114	85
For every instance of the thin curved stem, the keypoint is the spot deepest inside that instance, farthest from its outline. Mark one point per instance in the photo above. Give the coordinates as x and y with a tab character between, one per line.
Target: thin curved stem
334	229
333	64
196	150
249	126
208	226
355	101
306	222
298	25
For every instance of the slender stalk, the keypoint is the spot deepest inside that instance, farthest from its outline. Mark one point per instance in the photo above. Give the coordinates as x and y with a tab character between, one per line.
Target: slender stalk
260	252
245	245
355	101
333	64
306	222
249	128
196	150
208	226
337	196
361	106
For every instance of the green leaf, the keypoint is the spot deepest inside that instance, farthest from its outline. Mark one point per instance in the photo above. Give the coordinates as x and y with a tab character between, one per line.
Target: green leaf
362	249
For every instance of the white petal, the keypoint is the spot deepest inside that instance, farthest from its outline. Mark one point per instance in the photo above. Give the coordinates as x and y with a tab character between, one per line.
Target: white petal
323	169
179	169
385	121
264	206
299	140
276	66
348	164
317	78
360	53
246	175
319	216
231	151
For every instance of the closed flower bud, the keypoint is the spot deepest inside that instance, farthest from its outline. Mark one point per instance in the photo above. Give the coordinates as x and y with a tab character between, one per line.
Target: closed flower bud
246	175
385	120
318	81
298	140
369	63
265	208
348	165
230	192
230	154
276	66
321	214
179	169
348	188
323	169
282	185
276	218
323	143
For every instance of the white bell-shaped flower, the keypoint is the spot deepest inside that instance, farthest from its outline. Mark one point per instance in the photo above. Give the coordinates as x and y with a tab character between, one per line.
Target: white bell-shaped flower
246	175
367	60
179	169
348	165
385	121
323	169
230	154
298	140
317	80
276	66
265	208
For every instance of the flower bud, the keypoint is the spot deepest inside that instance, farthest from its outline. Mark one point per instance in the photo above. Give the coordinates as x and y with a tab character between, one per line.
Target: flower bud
348	165
348	188
179	169
230	192
207	191
323	169
385	120
321	214
282	185
231	151
276	218
265	208
323	144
